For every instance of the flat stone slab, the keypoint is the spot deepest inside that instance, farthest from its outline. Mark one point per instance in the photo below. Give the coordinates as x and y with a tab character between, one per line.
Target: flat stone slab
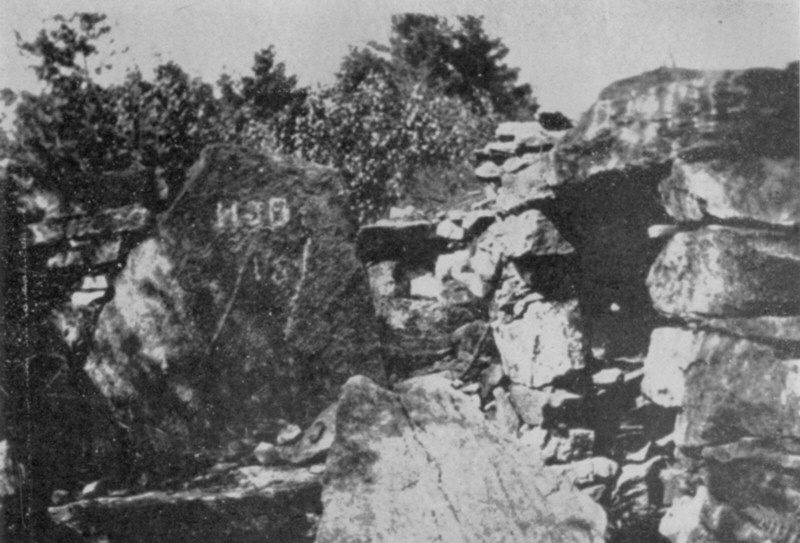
727	272
256	504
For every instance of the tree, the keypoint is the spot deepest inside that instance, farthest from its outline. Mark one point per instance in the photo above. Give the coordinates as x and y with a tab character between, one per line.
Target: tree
379	133
165	123
420	103
463	62
72	133
67	131
270	90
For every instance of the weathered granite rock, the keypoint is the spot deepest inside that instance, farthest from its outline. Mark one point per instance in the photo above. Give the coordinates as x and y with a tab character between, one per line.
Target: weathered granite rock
528	403
424	465
486	259
589	471
683	521
531	134
315	441
250	300
382	280
659	115
727	387
449	230
726	271
528	233
759	189
426	286
545	343
530	179
488	171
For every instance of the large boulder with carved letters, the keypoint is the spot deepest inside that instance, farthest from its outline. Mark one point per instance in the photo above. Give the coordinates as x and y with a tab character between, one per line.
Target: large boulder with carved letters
249	303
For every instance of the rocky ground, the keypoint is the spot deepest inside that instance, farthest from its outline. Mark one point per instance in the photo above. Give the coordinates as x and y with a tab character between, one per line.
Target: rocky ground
601	347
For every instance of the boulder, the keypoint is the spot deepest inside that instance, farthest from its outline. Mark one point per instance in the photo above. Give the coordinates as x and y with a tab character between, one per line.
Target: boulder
545	343
762	189
528	181
582	473
486	260
528	233
314	442
529	403
488	171
249	302
382	280
449	230
266	454
683	521
530	135
727	272
426	286
424	465
727	387
695	115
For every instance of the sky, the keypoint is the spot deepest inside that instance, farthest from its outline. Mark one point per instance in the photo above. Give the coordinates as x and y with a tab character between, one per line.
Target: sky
567	50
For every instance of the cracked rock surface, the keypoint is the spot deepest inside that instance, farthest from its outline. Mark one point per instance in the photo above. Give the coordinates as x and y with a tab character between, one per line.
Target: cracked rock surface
424	465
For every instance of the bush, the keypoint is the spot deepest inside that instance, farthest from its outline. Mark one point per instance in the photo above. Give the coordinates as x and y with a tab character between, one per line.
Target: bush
378	134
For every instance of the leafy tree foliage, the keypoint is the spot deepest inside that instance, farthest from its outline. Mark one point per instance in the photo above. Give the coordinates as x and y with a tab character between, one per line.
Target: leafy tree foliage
423	101
69	135
269	90
378	134
461	61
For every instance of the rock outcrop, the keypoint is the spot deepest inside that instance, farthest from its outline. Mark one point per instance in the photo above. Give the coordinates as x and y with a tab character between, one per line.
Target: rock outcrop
637	268
718	152
616	325
248	303
425	465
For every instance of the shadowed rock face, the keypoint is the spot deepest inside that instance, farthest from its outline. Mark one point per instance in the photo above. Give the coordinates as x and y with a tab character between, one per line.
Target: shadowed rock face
424	465
250	504
249	303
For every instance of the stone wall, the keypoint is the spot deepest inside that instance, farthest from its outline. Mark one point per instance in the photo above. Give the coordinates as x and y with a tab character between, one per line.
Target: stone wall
638	276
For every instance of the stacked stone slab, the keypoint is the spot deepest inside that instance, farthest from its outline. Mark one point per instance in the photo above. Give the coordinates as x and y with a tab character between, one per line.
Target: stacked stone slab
501	271
719	151
518	166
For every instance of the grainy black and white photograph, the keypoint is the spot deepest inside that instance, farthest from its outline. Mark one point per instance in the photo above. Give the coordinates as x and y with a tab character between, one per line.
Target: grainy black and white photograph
400	271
